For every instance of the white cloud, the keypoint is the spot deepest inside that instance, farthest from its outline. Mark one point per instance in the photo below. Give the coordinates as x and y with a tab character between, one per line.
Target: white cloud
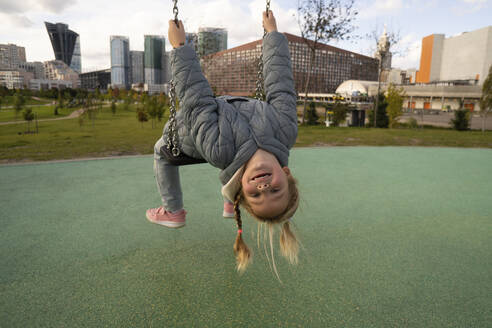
16	20
380	7
411	46
53	6
464	7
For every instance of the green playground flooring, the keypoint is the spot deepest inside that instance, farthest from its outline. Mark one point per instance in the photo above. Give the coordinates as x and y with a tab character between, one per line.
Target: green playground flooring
392	237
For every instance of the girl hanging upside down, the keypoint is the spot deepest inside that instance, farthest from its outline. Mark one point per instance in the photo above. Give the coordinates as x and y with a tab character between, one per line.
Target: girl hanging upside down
248	139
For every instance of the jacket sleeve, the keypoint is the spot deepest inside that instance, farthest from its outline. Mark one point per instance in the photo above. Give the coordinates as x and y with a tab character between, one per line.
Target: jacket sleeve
198	107
279	83
192	88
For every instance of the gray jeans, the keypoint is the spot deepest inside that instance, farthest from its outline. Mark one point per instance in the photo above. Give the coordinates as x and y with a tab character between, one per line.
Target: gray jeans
167	177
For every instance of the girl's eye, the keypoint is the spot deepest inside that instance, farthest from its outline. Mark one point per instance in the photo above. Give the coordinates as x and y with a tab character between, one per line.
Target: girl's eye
275	190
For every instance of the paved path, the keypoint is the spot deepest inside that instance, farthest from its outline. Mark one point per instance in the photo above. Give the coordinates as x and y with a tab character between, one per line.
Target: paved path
74	114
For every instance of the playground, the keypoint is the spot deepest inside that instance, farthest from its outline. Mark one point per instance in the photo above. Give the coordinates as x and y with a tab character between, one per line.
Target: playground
392	237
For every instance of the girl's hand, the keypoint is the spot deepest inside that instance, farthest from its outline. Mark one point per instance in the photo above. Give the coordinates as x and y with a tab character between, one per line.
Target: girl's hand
269	23
176	34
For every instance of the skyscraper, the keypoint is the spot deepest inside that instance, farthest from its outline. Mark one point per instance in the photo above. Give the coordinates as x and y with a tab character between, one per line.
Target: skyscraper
120	61
211	40
76	63
154	58
66	44
137	66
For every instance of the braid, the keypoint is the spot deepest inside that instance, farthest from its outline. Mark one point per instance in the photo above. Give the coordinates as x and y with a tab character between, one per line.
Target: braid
237	212
241	250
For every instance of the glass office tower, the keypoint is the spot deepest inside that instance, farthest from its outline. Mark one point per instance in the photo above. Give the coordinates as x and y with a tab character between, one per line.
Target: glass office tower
120	61
66	44
211	40
154	59
137	67
76	63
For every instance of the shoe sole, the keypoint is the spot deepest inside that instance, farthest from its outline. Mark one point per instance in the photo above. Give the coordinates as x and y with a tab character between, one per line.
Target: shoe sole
228	215
168	224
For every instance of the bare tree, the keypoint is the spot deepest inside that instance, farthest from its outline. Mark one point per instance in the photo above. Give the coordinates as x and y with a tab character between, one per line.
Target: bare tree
384	45
322	21
393	36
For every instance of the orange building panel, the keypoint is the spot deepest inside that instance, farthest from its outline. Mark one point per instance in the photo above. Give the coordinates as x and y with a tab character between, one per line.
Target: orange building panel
423	75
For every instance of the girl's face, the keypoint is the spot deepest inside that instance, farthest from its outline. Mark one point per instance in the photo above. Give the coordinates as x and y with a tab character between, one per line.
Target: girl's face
265	184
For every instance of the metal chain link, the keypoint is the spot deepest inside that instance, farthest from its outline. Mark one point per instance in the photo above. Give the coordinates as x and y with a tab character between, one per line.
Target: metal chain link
260	92
172	133
175	11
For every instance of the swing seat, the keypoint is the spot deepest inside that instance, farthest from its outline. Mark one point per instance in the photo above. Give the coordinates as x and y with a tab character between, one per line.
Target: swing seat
181	159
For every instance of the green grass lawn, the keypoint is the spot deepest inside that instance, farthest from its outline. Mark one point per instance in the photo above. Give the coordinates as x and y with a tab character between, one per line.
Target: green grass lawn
43	112
122	134
9	101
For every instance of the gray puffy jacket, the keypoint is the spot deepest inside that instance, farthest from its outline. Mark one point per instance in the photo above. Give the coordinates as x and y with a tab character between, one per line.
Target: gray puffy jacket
226	131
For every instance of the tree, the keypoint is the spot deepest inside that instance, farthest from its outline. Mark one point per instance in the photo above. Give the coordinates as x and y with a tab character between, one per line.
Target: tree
323	21
113	107
486	98
339	112
60	102
382	118
19	102
312	115
142	115
28	116
384	45
461	121
394	98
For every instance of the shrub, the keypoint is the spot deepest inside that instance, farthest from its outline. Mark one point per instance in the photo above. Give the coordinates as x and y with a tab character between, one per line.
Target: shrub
312	115
339	113
461	121
382	120
412	123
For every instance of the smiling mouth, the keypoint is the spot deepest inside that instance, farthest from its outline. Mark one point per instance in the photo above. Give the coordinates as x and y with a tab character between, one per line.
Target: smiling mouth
261	175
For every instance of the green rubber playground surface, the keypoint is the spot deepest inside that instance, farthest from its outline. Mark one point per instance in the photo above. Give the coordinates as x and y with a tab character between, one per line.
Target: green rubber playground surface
392	237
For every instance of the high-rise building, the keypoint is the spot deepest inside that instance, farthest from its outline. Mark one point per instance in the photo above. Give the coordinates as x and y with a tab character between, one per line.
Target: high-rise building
11	56
76	63
137	67
66	44
192	39
154	58
466	57
211	40
234	71
120	61
167	68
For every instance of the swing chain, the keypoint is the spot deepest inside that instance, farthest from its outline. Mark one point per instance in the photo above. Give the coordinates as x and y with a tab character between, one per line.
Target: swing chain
175	11
172	134
260	93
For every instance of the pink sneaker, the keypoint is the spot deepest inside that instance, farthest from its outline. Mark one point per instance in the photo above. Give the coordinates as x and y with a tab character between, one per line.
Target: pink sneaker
171	220
228	210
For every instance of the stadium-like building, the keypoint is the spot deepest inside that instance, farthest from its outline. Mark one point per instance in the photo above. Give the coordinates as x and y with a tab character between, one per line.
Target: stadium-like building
234	71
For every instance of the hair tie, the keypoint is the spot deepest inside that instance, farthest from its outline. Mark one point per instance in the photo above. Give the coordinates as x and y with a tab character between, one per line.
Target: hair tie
239	231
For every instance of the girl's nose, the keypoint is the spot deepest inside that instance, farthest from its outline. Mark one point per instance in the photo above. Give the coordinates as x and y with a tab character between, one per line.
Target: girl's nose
262	186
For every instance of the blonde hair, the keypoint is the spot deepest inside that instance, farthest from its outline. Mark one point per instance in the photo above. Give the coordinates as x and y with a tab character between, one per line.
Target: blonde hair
289	245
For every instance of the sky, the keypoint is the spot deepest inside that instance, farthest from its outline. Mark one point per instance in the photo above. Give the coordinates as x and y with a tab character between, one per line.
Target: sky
22	23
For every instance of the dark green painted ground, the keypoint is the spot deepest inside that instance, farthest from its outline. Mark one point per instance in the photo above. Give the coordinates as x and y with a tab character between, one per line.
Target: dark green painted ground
393	237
